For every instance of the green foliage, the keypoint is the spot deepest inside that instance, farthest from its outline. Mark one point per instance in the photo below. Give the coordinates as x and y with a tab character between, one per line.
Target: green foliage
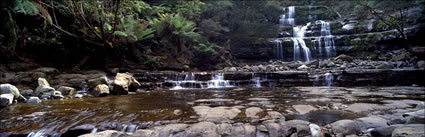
170	27
207	48
190	9
25	7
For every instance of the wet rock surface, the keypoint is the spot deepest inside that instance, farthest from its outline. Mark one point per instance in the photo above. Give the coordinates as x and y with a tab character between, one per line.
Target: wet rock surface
222	112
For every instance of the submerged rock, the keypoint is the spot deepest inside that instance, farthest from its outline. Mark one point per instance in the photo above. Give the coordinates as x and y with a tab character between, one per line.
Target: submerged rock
100	90
420	64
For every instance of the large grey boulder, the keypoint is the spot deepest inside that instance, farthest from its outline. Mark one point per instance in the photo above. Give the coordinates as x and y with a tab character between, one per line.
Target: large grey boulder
295	127
6	99
100	90
9	89
384	131
123	83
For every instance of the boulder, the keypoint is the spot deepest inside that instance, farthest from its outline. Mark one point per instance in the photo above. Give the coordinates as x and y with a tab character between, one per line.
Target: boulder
345	128
303	67
123	83
216	114
371	122
417	117
9	89
94	82
243	130
27	93
384	131
100	90
202	129
6	99
345	58
252	112
33	100
43	82
420	64
67	90
313	63
44	90
409	130
297	127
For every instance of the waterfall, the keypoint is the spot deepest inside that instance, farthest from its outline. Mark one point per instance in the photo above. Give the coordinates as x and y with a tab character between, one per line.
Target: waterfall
256	81
278	49
325	33
188	82
329	79
217	81
298	39
288	18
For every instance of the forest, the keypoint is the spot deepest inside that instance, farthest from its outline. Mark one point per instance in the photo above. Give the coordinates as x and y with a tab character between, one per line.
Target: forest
158	35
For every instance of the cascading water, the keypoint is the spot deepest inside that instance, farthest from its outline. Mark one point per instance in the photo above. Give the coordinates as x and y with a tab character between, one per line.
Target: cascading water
298	39
256	81
329	79
288	18
188	82
325	33
217	81
278	49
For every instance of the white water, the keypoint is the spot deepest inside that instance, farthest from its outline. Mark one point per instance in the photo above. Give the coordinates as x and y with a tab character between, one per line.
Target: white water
288	18
188	82
37	134
256	81
217	81
325	33
278	49
329	79
298	39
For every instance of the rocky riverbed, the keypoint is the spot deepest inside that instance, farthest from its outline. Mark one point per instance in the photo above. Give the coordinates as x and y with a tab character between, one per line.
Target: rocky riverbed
296	111
340	96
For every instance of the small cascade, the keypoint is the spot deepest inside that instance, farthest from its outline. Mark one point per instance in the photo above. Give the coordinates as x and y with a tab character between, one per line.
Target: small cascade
329	79
255	81
288	18
217	81
298	39
278	49
325	33
188	82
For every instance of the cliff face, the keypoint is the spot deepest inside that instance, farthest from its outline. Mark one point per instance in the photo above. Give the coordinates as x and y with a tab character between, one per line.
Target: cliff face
364	39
